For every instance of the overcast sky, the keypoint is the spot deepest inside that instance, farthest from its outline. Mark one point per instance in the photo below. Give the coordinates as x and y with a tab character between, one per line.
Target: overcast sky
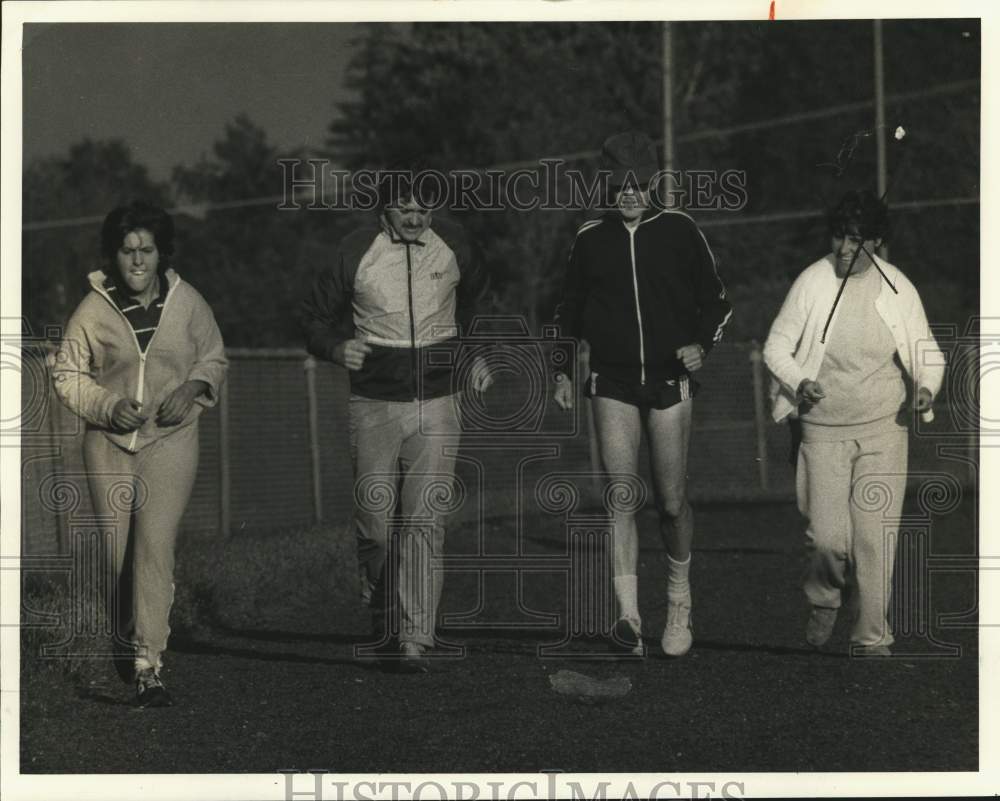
168	89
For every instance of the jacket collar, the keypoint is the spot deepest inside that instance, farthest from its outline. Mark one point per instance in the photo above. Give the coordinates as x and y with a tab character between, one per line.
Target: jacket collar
98	277
648	214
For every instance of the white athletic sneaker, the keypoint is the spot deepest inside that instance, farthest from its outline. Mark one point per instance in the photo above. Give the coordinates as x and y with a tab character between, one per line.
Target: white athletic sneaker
414	659
677	635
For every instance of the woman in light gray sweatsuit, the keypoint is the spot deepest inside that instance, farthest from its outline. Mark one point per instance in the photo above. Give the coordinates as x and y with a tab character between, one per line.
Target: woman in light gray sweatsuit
849	347
142	357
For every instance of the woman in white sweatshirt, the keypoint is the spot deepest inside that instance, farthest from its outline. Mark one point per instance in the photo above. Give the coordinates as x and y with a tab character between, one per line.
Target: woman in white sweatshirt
141	358
851	355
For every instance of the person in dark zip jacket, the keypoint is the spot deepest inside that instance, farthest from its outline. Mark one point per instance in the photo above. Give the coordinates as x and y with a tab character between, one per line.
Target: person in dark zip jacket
643	291
141	359
392	307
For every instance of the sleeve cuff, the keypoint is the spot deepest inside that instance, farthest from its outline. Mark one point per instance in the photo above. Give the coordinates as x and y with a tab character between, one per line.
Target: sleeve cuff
211	394
108	408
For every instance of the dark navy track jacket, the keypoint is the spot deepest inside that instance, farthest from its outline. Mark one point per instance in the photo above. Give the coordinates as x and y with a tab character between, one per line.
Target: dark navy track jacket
637	296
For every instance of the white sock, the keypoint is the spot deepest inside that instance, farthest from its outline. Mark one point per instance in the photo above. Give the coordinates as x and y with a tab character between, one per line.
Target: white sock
678	586
627	592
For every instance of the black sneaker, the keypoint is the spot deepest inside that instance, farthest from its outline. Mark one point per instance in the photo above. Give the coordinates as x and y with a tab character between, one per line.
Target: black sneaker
149	690
627	638
123	658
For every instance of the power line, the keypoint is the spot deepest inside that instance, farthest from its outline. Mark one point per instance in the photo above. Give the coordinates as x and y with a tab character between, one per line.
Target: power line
829	111
191	209
199	210
784	216
759	125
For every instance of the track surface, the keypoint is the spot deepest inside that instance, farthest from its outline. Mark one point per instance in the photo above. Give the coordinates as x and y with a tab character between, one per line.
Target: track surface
288	695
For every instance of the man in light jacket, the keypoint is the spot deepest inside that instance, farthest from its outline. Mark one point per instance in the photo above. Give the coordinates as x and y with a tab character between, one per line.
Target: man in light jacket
391	307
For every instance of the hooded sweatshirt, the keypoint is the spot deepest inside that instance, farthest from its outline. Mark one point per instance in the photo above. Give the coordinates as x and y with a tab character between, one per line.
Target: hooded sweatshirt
100	361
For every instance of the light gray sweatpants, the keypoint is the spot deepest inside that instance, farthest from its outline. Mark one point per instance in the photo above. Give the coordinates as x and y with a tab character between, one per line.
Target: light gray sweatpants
161	476
404	468
852	493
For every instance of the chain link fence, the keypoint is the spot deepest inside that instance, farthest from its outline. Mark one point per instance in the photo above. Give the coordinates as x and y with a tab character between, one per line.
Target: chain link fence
275	452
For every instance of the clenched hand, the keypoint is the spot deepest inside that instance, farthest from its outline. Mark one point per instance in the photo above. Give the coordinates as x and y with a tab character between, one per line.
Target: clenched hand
692	356
177	404
351	354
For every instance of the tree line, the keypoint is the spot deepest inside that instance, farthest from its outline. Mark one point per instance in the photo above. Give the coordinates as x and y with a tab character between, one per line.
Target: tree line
472	95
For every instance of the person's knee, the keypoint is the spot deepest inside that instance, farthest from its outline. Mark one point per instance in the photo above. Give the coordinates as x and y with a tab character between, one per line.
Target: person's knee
371	531
673	506
872	549
437	535
827	541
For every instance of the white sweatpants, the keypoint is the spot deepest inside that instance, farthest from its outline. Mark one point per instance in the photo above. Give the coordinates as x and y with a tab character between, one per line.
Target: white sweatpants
146	491
852	493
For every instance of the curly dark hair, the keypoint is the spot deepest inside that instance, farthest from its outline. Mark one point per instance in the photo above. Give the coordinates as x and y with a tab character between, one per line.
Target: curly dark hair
861	212
135	216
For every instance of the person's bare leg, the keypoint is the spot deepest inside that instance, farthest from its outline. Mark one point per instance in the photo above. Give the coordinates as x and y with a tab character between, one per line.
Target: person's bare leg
669	433
619	429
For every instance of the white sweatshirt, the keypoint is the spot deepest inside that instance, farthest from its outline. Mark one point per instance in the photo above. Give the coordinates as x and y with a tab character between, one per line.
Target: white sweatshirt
793	351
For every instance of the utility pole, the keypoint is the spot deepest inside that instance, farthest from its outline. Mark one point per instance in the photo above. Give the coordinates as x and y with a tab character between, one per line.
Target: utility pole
668	97
883	172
